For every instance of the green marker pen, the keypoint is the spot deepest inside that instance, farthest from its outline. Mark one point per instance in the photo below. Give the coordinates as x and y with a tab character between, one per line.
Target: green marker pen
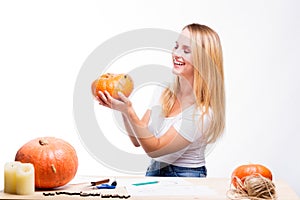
145	183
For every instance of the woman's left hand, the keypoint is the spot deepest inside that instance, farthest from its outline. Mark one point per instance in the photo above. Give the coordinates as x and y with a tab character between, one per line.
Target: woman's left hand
122	105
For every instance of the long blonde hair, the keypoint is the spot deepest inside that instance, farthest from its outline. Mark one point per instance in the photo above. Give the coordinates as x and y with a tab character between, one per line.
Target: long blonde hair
208	86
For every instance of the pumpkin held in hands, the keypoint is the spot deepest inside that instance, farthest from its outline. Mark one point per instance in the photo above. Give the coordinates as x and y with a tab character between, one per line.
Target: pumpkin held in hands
113	83
55	161
243	171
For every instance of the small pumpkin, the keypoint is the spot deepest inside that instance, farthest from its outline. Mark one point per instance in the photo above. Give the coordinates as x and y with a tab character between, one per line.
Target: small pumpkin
55	161
243	171
113	83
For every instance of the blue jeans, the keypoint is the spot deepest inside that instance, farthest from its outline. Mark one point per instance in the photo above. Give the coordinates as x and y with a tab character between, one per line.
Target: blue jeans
163	169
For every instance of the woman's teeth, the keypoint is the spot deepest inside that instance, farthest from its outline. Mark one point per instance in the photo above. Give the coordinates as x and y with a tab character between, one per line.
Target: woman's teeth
178	63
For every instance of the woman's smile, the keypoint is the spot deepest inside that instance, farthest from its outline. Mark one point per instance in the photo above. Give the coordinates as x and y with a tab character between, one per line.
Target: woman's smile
178	62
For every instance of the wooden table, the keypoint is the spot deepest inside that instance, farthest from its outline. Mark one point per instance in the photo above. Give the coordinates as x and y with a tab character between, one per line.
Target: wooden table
213	189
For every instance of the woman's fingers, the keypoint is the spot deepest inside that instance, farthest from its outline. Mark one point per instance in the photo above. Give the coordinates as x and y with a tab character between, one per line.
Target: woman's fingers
124	98
99	100
103	99
107	95
102	96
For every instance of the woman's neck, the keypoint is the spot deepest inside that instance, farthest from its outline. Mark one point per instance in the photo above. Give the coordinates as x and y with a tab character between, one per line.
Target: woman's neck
185	94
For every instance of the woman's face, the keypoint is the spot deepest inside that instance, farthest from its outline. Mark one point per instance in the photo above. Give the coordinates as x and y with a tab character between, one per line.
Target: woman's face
182	58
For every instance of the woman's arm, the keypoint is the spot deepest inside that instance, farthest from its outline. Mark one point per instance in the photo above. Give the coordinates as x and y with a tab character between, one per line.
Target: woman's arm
128	128
130	131
170	142
145	120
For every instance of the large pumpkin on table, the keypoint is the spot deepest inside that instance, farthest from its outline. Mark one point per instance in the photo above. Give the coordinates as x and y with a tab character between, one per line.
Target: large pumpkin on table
243	171
113	83
55	161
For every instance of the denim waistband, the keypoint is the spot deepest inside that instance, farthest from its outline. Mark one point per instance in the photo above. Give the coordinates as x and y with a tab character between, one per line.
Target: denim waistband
164	169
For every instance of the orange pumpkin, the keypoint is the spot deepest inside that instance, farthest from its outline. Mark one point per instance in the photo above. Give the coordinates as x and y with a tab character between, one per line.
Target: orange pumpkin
113	83
55	161
241	172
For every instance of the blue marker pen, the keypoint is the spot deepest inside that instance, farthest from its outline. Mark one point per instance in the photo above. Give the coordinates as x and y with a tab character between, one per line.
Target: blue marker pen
106	186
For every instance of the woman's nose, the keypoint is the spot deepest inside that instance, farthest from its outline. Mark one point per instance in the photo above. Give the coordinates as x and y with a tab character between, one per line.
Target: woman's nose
177	52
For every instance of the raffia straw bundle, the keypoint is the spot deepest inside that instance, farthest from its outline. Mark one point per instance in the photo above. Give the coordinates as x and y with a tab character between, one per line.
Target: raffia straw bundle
254	187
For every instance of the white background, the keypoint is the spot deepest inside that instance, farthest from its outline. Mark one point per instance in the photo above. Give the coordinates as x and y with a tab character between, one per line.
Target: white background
43	45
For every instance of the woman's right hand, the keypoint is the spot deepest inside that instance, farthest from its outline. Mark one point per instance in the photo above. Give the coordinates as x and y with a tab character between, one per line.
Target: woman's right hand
122	105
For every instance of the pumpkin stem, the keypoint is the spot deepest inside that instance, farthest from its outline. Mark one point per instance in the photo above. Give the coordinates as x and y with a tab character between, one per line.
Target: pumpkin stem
53	169
43	142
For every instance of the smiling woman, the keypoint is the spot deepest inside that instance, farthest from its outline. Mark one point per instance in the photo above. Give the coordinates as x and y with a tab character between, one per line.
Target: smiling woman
185	116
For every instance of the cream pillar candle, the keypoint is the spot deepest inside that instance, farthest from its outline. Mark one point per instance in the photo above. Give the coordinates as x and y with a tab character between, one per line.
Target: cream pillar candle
10	170
25	179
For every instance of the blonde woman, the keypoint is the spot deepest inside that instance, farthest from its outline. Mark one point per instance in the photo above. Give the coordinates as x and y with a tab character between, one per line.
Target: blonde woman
186	116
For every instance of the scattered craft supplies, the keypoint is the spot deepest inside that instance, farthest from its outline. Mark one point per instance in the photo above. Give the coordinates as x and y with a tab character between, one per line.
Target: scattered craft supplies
87	194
